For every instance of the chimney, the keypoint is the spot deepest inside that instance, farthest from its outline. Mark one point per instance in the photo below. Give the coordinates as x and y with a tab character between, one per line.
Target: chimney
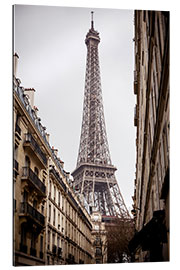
15	62
30	93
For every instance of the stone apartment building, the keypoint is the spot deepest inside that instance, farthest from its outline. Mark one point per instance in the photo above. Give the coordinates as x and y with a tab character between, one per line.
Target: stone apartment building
51	225
31	154
68	222
151	87
99	238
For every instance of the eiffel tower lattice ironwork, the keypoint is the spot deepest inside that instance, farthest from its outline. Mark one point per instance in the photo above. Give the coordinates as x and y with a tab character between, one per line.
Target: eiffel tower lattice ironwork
94	176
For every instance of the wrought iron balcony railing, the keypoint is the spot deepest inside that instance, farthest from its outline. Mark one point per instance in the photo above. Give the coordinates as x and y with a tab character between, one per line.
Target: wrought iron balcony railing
29	139
34	179
30	211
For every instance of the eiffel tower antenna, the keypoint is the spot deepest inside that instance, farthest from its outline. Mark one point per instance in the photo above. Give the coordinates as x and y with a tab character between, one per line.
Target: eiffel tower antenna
92	22
94	176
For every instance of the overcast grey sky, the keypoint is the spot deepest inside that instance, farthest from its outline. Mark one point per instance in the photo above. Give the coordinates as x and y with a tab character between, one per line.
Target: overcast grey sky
52	59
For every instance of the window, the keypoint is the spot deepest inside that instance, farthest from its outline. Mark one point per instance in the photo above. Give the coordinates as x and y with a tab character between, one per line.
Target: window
27	162
54	217
59	198
54	193
36	171
62	203
49	235
14	205
23	234
50	188
98	251
33	240
58	241
25	196
58	221
53	239
35	204
41	243
49	212
42	209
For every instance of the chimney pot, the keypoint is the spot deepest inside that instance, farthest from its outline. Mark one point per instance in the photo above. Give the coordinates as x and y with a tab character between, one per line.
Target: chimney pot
30	93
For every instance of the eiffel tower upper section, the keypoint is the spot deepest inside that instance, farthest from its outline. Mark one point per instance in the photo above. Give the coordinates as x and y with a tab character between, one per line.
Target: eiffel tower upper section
93	142
94	176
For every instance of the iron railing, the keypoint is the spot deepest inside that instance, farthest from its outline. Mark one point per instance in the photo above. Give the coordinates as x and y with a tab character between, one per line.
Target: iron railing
27	209
27	172
29	139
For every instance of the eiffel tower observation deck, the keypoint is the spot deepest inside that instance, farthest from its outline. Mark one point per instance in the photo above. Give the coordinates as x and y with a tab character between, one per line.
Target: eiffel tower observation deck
94	176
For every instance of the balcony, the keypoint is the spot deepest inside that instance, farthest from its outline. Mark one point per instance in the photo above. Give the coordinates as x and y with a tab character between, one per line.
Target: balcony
35	149
17	135
34	181
32	215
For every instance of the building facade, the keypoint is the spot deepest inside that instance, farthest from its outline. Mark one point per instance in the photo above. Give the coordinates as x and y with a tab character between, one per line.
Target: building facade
68	221
99	238
151	87
51	224
31	154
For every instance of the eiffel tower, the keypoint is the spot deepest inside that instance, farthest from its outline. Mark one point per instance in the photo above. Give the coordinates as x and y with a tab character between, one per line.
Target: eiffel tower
94	176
